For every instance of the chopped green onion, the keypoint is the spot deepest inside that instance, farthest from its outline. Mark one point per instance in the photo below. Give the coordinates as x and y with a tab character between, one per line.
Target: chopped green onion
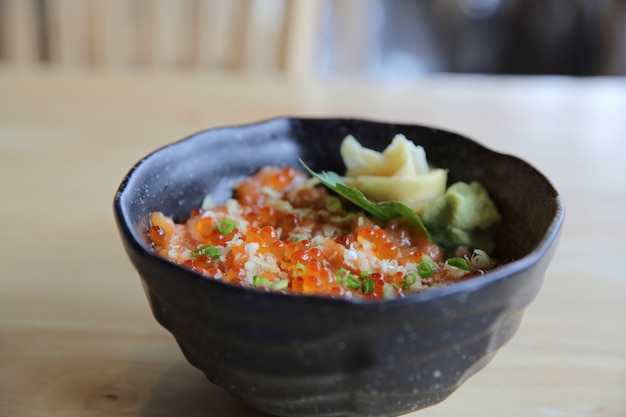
460	263
211	251
341	275
259	281
365	274
427	259
299	270
344	277
339	219
409	279
352	282
226	226
480	259
280	285
367	286
389	291
425	270
332	204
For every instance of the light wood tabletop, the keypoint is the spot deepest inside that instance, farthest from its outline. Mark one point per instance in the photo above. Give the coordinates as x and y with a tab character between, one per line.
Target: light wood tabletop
76	334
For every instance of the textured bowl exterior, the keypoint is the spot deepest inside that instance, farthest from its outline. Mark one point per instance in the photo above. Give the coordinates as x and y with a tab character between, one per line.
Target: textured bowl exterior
292	355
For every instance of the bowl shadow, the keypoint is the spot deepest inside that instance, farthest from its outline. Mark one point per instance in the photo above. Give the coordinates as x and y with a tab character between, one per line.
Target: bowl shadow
183	391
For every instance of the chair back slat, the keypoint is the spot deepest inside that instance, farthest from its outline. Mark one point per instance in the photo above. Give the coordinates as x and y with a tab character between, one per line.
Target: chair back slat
20	31
66	28
111	33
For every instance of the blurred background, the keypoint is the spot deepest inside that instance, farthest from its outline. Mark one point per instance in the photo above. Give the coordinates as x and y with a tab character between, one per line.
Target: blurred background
320	38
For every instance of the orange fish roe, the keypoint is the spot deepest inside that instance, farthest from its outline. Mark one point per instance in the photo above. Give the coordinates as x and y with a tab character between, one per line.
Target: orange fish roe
282	233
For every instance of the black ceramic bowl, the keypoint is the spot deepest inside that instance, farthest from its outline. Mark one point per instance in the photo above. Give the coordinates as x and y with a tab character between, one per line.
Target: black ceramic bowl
292	355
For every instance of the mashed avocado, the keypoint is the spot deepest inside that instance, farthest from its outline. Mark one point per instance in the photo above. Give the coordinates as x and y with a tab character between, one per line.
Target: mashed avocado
463	216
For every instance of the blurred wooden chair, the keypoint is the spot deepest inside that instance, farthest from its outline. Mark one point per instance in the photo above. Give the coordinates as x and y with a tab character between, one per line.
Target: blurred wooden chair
257	36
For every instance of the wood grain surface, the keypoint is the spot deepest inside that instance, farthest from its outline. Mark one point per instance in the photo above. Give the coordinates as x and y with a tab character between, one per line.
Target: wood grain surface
76	334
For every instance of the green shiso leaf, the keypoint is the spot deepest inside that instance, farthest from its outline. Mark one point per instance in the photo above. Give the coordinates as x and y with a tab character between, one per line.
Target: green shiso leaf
384	210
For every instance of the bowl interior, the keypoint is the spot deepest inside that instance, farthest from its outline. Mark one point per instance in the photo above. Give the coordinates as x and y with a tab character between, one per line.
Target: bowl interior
175	179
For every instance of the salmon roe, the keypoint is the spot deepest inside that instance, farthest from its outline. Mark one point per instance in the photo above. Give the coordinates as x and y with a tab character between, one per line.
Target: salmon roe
282	233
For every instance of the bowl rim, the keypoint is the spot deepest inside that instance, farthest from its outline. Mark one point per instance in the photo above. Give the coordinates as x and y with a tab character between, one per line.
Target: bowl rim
475	283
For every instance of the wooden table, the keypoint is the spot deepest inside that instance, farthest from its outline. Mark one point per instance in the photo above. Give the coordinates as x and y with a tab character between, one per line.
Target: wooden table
77	337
